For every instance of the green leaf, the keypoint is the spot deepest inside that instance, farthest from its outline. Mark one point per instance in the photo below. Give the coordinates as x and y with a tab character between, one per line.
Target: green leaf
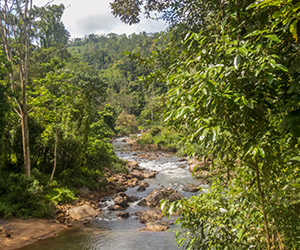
281	67
293	29
243	51
240	234
270	78
295	158
261	152
237	61
230	50
247	103
273	38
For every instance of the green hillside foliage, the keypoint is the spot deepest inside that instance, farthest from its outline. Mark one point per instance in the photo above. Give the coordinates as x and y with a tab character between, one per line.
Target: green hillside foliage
232	72
108	56
78	95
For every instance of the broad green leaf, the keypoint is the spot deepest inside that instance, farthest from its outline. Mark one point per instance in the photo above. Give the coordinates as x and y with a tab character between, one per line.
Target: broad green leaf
270	78
230	50
237	61
293	29
261	152
243	51
295	158
273	38
240	234
281	67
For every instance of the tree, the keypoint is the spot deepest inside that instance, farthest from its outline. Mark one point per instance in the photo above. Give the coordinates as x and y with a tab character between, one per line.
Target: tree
233	84
15	30
49	28
16	34
129	11
4	106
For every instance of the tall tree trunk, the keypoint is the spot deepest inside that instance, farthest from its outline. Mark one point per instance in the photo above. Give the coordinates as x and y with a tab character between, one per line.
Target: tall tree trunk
25	140
262	197
55	156
15	34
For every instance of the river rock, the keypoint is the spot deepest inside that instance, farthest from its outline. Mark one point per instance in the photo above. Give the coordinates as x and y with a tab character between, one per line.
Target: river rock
156	226
123	215
143	203
83	212
153	199
120	177
133	182
149	216
84	190
182	166
190	187
122	199
145	184
133	164
133	198
141	189
137	174
149	175
116	208
113	187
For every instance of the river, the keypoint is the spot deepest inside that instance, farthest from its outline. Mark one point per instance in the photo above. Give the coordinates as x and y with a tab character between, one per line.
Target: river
112	233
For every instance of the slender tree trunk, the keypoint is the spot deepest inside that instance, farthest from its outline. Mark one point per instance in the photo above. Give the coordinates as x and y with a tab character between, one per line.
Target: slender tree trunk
26	148
55	156
262	197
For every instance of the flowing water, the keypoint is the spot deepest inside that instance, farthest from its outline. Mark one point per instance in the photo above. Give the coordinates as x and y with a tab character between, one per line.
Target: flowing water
109	232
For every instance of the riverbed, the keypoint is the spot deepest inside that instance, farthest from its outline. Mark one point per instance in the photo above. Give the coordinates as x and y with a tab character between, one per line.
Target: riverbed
108	232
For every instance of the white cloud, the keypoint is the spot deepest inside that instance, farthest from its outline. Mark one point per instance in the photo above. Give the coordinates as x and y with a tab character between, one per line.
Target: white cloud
83	17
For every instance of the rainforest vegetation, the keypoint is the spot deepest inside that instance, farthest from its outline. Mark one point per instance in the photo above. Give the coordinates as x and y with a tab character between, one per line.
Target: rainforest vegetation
232	73
222	83
62	101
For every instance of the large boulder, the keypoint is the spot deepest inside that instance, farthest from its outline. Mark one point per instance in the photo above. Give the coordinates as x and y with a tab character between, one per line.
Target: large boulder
83	212
133	164
137	174
116	208
141	189
153	199
145	184
133	182
122	199
142	186
149	175
123	215
149	216
157	226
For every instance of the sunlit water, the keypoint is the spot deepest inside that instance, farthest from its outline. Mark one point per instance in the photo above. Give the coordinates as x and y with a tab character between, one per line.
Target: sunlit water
109	232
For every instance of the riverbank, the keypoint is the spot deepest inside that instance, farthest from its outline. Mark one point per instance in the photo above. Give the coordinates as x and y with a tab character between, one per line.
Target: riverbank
41	229
16	233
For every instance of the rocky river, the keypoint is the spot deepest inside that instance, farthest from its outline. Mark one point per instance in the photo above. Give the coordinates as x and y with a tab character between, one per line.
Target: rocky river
129	220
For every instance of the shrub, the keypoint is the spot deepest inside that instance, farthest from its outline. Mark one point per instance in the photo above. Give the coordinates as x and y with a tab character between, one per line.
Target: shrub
22	196
126	124
62	195
146	138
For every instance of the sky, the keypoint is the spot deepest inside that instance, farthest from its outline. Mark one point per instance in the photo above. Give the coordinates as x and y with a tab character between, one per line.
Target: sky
84	17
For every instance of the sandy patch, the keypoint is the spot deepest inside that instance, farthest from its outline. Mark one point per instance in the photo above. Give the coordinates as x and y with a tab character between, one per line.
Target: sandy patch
16	233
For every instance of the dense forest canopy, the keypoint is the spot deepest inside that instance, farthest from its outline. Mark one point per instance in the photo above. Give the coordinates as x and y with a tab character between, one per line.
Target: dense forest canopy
60	102
232	72
224	78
